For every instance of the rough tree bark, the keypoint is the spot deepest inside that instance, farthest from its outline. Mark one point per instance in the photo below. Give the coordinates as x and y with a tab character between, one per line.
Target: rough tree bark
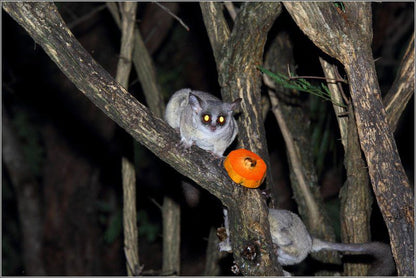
237	54
249	225
171	237
131	234
346	35
356	198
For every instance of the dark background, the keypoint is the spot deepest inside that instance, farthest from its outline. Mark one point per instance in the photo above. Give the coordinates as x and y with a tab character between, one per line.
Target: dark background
74	150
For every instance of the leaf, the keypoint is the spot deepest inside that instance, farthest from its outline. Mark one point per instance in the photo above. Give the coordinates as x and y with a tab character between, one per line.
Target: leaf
300	84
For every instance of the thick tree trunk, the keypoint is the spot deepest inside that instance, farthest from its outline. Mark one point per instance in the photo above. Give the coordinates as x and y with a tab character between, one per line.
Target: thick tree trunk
237	54
390	184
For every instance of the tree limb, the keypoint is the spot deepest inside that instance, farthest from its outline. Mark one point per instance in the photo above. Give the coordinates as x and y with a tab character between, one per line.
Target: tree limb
403	87
144	67
131	234
331	72
217	28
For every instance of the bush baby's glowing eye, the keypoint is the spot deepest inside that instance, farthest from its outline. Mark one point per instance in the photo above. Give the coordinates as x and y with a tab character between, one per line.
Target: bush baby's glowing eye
206	118
221	120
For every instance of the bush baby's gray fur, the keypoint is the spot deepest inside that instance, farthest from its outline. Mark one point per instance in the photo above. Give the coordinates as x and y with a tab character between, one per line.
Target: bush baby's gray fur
185	112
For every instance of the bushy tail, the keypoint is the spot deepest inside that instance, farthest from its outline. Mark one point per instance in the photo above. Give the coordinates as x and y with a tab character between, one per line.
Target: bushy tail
383	263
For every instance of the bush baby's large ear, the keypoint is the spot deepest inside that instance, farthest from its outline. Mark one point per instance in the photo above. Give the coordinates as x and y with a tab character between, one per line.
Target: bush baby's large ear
235	104
195	102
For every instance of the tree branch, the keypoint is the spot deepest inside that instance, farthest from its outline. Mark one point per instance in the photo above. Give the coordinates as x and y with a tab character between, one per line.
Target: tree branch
331	72
355	194
131	234
217	28
403	87
144	67
173	15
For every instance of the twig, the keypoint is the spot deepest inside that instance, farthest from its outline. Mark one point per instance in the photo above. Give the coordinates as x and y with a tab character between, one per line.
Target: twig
79	20
231	9
112	7
135	270
301	85
318	77
156	203
335	79
173	15
346	99
331	72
